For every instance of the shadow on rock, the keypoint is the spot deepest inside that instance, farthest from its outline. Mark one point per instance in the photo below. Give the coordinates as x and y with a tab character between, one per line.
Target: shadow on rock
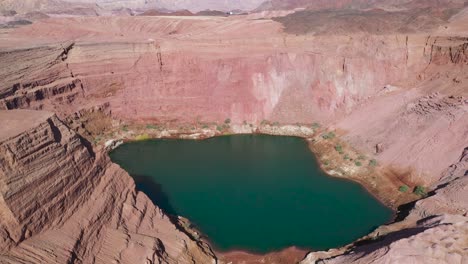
155	192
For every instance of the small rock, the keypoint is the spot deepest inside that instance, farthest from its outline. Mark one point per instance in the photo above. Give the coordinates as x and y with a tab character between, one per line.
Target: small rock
379	148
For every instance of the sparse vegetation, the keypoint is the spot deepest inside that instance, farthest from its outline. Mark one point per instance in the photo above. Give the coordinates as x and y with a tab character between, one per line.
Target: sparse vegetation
142	137
346	157
358	163
329	135
420	190
373	162
403	188
264	122
339	148
125	128
219	128
361	157
97	140
151	127
326	162
227	121
276	123
315	125
205	126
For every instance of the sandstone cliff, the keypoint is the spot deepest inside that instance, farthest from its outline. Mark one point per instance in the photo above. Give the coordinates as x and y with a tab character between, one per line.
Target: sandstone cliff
63	203
400	97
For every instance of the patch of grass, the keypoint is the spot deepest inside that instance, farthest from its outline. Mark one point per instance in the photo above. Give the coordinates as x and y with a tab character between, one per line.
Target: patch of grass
315	125
358	163
420	190
373	162
227	121
329	135
151	127
403	188
339	148
142	137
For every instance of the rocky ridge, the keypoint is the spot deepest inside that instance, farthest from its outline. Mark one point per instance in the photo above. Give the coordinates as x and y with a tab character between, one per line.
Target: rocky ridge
400	98
89	211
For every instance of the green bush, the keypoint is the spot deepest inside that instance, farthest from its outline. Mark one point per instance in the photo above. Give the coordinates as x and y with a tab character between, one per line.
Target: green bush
219	128
403	188
358	163
373	162
326	162
315	125
142	137
346	157
328	135
420	190
339	148
205	126
227	121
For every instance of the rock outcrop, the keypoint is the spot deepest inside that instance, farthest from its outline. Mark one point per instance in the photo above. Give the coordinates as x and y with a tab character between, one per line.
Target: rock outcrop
61	202
434	231
400	96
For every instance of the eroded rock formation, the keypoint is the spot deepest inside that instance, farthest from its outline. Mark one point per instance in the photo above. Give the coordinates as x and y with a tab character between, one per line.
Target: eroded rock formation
397	95
84	210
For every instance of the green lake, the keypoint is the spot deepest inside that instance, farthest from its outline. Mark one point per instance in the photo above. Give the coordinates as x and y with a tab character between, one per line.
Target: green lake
252	192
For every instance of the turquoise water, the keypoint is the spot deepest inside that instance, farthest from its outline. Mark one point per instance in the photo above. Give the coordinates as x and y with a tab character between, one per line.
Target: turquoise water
252	192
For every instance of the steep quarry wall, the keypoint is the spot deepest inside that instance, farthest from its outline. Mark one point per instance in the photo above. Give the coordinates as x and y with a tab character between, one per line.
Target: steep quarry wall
398	98
163	77
63	203
184	70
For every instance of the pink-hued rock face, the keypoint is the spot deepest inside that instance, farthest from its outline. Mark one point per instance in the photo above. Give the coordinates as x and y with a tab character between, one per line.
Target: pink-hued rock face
176	71
399	96
102	6
84	207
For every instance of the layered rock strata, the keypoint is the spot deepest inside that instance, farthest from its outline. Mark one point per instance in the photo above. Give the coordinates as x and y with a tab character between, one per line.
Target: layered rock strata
62	202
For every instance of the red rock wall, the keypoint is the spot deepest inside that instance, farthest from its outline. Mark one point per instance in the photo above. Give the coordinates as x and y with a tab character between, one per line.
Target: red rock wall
61	202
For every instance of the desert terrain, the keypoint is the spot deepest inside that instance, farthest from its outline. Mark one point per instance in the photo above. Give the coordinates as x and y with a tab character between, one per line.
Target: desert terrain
379	90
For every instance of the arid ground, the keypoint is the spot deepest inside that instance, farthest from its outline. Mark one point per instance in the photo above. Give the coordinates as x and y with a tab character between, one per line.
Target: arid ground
379	89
